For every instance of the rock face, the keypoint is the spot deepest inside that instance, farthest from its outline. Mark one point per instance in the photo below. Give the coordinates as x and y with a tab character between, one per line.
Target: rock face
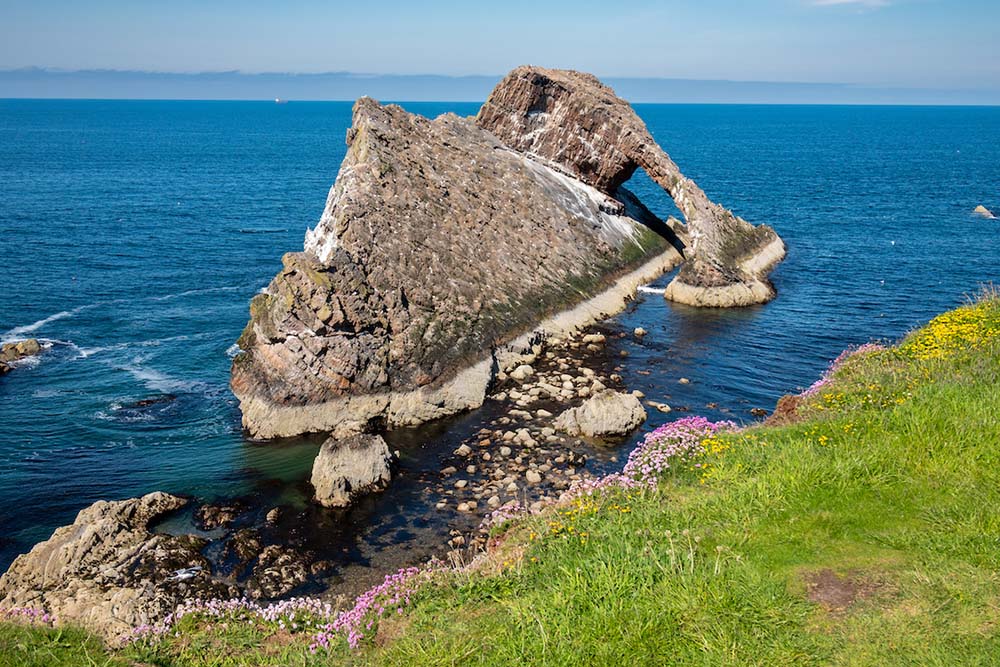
606	413
984	212
347	468
446	245
107	571
573	121
11	352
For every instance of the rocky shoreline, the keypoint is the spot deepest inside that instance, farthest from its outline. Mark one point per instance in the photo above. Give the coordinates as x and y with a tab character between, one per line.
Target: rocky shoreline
114	568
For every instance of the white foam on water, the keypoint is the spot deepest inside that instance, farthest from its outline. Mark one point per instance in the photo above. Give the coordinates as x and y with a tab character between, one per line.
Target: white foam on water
46	393
18	332
191	292
161	382
651	290
26	362
232	351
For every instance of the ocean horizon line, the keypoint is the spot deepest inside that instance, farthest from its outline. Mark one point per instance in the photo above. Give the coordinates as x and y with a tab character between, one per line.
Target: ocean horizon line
258	100
235	85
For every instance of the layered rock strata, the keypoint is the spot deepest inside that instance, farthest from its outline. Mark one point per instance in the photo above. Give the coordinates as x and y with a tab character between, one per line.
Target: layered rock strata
448	246
574	122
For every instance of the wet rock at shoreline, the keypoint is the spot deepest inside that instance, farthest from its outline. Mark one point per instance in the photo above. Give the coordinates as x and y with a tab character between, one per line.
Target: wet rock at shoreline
13	352
218	515
107	572
606	413
346	468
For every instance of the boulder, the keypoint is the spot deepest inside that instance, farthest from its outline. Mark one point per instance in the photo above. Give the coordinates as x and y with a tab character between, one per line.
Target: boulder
448	247
984	212
606	413
347	468
107	572
11	352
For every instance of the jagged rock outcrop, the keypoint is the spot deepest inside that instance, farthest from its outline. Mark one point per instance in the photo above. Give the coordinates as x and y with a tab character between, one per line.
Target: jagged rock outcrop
573	121
107	572
345	469
606	413
446	245
11	352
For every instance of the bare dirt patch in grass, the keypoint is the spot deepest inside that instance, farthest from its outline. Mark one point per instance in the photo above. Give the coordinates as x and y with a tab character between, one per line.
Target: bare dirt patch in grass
836	593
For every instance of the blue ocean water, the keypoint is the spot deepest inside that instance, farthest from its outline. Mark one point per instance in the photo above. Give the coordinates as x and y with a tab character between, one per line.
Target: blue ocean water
133	235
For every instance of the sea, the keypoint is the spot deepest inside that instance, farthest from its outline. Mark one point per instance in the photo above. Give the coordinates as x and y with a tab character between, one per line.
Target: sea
133	234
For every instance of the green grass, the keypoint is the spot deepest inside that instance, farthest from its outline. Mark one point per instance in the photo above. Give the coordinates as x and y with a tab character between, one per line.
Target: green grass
891	481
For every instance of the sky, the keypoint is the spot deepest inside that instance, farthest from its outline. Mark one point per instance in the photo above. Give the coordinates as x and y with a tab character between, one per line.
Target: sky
940	44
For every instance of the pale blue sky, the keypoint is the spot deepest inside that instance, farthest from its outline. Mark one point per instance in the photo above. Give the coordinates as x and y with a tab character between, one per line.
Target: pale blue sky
915	43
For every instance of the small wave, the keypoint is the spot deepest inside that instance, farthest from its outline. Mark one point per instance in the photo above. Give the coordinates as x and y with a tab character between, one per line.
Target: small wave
18	332
46	393
190	292
26	362
160	382
129	417
85	352
263	231
157	381
232	351
651	290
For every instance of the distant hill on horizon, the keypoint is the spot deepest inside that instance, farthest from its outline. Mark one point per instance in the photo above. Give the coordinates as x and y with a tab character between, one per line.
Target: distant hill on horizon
235	85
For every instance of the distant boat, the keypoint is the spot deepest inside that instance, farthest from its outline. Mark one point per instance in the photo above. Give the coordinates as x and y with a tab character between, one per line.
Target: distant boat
278	100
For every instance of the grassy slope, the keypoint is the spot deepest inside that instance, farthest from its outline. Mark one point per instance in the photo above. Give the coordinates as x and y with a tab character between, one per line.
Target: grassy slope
867	533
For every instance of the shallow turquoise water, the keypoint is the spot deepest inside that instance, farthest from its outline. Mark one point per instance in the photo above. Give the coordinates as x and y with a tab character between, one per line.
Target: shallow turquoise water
133	235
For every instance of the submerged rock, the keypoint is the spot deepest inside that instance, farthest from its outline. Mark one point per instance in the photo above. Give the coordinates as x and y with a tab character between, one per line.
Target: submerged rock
218	515
984	212
107	572
448	246
349	467
606	413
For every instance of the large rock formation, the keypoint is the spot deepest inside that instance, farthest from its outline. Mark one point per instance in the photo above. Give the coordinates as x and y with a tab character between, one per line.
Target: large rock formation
447	244
345	469
573	121
107	572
